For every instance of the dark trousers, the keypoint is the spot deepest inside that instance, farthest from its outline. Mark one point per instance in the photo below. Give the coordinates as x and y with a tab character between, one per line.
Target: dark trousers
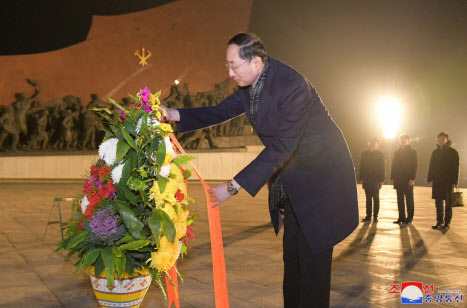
407	194
441	214
372	200
307	277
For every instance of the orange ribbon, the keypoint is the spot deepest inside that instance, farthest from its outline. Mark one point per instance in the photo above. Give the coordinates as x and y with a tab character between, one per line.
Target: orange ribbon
217	248
172	290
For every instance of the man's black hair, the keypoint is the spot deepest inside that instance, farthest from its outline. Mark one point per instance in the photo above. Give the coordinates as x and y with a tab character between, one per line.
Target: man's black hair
250	46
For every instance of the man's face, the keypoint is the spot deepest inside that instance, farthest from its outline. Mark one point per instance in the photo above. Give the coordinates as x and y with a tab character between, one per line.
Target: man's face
404	141
244	72
373	146
441	141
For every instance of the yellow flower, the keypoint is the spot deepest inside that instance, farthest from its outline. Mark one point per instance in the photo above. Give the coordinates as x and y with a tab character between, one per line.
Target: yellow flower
174	184
158	100
166	128
158	113
180	223
154	108
152	99
168	158
164	113
164	258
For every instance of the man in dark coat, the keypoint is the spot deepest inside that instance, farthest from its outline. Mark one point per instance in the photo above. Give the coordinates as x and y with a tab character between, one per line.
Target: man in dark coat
372	174
443	174
403	172
306	162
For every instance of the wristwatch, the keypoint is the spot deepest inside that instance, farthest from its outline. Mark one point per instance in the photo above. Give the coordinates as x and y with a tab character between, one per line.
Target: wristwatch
231	189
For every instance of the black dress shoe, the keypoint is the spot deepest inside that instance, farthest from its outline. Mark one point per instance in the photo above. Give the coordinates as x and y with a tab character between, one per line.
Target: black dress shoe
366	219
399	221
375	219
437	226
407	221
446	226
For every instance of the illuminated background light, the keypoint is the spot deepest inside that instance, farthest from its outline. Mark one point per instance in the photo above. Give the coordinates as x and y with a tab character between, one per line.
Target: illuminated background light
389	113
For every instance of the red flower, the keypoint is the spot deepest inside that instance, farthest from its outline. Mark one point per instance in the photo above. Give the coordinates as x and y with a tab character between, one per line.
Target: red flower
104	172
106	190
93	199
80	225
179	196
87	186
94	170
189	234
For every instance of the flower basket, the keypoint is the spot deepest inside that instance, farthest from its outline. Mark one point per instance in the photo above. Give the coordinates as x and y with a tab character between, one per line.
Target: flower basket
129	291
133	215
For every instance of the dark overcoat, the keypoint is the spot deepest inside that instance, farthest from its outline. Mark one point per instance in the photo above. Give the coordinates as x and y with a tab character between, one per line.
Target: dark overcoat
372	169
303	143
404	167
443	171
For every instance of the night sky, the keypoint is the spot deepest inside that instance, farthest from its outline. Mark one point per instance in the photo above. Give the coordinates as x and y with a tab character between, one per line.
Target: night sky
354	52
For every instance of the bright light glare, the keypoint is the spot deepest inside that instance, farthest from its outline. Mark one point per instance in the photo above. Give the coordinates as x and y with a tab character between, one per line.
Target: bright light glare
177	82
389	112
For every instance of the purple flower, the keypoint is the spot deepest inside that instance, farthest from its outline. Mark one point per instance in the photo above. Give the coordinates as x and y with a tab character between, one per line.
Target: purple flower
103	223
145	94
147	108
122	114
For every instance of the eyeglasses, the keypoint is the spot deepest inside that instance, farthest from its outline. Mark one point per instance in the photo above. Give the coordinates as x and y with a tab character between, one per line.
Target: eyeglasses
233	68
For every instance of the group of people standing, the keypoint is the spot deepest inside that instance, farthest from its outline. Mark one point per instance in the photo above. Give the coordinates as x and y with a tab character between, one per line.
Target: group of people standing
443	175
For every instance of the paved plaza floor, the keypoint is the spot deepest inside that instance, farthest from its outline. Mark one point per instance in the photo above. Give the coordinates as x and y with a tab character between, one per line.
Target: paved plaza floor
374	257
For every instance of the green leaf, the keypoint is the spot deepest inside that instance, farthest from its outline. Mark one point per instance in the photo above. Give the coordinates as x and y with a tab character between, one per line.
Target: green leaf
118	105
78	266
106	255
160	155
162	182
77	239
144	123
117	251
125	175
98	266
110	274
134	98
168	226
130	265
90	258
130	127
135	245
127	238
182	160
122	149
120	264
129	139
155	223
132	223
187	174
131	197
102	109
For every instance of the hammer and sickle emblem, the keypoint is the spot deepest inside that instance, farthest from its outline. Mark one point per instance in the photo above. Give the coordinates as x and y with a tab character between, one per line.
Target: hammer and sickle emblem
143	56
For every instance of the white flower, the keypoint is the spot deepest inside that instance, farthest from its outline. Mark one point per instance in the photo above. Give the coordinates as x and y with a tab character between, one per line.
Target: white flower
84	204
108	151
168	146
152	121
165	170
117	173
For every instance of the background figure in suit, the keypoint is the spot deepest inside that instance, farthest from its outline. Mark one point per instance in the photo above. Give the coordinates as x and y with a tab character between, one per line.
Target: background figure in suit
372	174
403	172
306	163
443	174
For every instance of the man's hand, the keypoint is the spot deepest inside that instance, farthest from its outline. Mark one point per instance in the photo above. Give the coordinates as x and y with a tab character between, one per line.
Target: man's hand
411	183
219	194
172	114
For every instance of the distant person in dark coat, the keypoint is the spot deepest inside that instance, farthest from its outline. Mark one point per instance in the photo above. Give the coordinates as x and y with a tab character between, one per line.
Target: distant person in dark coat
403	172
371	175
443	174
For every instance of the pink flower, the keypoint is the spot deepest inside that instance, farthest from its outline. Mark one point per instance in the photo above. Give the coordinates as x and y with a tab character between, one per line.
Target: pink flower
145	94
